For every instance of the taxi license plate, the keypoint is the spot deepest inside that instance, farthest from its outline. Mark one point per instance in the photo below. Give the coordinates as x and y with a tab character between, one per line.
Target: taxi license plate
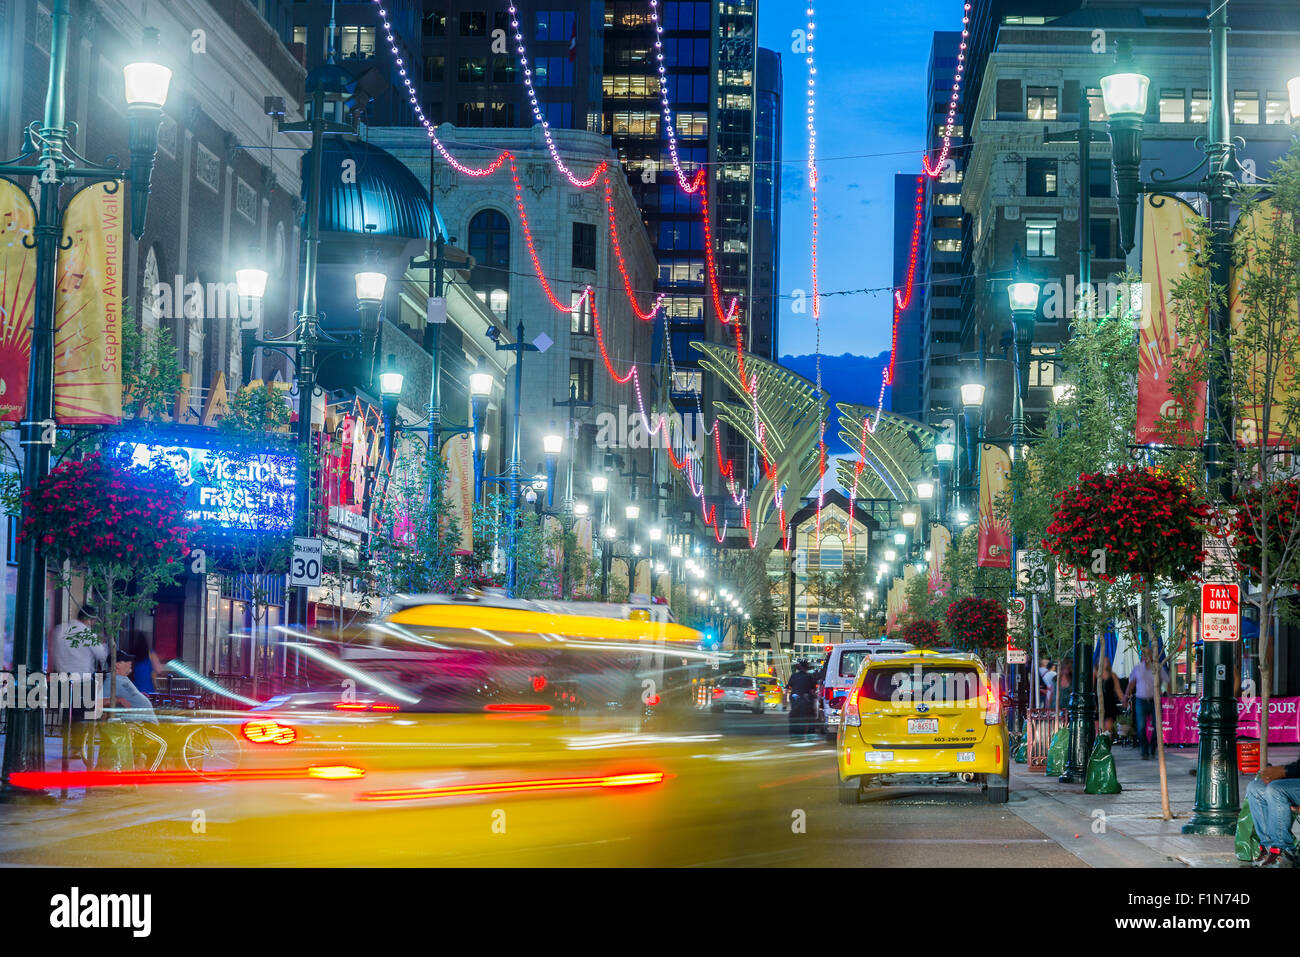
877	755
922	725
965	756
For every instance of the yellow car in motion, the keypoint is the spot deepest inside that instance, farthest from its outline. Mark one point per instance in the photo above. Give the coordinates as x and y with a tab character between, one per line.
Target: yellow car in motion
770	688
923	713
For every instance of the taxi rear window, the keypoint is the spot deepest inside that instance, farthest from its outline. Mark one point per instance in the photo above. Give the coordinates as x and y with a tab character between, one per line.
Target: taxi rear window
918	682
737	682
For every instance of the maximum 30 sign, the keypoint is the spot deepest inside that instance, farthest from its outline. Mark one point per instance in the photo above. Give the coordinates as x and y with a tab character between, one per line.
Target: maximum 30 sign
305	563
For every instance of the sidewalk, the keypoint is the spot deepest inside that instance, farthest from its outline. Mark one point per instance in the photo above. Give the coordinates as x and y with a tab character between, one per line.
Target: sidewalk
1126	829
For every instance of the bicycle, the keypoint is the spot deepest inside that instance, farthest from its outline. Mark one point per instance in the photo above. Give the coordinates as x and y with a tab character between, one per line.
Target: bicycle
208	750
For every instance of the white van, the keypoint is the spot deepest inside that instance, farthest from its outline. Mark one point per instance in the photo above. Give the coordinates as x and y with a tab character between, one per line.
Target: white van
842	668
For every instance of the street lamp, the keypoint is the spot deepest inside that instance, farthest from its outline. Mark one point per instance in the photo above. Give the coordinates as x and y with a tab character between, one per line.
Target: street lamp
552	444
925	490
51	165
1293	88
146	83
390	390
632	511
480	390
909	518
1217	795
1125	96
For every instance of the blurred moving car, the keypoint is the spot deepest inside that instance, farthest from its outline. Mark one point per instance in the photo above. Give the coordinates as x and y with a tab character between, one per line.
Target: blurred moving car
738	691
923	713
842	665
769	688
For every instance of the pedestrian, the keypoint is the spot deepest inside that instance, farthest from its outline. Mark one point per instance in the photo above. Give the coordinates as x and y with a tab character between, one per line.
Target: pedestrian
79	653
1271	796
1142	689
1046	682
1113	699
138	706
1064	684
145	665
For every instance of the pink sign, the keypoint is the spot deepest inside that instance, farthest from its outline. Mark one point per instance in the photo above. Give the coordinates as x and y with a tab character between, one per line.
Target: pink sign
1178	721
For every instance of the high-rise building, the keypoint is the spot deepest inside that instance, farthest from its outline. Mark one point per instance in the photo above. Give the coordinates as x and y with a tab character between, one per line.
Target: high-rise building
763	338
359	45
905	394
939	279
1039	71
470	72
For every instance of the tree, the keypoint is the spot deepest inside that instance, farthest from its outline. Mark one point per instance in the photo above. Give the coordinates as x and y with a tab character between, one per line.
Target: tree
251	558
121	528
1256	426
151	370
844	593
416	536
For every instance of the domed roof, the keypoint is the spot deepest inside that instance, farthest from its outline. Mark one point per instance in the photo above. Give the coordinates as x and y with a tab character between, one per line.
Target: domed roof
332	79
383	193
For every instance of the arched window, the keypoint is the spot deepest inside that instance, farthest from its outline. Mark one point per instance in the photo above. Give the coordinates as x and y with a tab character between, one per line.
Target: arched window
832	552
489	244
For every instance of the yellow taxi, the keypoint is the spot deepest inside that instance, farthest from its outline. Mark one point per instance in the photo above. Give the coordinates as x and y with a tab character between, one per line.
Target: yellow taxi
770	687
923	713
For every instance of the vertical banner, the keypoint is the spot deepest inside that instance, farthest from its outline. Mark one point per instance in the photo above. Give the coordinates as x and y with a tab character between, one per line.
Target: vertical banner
1276	358
618	574
643	570
88	310
994	529
940	540
459	455
1167	234
17	299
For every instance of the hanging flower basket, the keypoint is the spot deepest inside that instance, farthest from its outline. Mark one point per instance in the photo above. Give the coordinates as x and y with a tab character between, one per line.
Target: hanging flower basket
922	633
1134	521
96	512
1279	506
978	625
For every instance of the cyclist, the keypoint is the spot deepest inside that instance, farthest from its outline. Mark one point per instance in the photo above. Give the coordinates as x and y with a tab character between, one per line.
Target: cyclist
139	707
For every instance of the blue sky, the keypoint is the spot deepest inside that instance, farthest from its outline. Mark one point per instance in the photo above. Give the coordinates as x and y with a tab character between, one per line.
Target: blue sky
871	105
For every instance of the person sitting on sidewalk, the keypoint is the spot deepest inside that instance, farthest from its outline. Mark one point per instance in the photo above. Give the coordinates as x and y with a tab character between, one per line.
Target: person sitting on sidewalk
1271	796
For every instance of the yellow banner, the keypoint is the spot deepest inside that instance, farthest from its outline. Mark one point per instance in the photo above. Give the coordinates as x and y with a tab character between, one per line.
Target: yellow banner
88	310
1168	230
458	453
940	540
1275	353
17	299
643	571
994	527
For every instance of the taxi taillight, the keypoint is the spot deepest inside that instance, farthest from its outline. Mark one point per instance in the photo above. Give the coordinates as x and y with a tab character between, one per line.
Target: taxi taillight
992	704
852	711
267	731
718	692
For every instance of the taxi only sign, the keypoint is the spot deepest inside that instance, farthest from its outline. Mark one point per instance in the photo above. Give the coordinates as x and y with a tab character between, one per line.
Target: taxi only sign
1220	612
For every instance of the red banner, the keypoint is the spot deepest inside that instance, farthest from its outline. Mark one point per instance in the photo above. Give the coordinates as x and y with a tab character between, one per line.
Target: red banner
995	526
17	284
1167	234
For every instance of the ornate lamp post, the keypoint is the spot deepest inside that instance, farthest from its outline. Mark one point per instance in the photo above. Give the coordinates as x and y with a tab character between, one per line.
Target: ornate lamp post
1125	93
943	456
49	158
390	390
480	390
972	410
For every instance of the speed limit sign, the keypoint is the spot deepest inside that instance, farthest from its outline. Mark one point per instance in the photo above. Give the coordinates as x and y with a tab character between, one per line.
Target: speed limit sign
305	563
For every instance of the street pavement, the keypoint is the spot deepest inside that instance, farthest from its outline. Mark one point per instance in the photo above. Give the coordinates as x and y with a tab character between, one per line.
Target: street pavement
749	797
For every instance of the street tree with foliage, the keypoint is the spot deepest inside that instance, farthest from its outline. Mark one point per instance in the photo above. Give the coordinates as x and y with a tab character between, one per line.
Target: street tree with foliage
1256	427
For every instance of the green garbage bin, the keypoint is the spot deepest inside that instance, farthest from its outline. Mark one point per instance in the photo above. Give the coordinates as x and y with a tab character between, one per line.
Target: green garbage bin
1056	752
1245	843
1101	777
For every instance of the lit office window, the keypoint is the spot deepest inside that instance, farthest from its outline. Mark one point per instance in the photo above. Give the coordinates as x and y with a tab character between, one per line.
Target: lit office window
1040	237
1245	107
1041	103
1173	106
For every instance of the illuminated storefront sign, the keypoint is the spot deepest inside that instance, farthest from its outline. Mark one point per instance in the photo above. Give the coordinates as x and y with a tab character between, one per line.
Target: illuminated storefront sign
225	491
